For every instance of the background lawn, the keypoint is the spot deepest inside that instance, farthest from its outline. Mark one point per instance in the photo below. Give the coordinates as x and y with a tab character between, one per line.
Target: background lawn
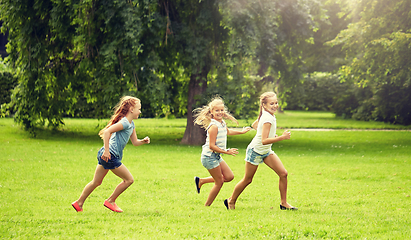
347	184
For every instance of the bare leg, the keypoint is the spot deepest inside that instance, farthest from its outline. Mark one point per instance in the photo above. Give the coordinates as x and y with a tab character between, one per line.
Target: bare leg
128	179
225	170
99	175
218	177
205	180
274	162
250	170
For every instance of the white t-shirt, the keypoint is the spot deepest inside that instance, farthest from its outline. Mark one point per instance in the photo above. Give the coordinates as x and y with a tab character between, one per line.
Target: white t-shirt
256	143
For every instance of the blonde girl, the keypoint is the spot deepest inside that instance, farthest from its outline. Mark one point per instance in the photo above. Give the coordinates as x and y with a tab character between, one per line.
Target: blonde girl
259	151
115	136
211	118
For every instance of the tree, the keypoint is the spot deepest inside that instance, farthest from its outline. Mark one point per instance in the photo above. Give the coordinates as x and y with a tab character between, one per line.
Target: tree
273	35
378	43
173	55
318	56
66	50
188	47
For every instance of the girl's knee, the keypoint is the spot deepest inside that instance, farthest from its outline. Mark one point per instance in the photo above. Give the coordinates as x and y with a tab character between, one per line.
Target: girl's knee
248	181
229	178
129	181
95	184
219	181
283	174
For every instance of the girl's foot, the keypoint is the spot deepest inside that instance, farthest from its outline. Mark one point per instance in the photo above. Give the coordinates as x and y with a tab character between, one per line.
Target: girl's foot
112	206
77	206
228	205
287	206
197	182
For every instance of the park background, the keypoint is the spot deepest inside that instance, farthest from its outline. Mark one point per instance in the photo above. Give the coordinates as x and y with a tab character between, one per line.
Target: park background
342	66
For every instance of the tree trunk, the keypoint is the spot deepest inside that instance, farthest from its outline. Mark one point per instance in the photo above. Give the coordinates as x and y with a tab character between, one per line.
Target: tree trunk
194	134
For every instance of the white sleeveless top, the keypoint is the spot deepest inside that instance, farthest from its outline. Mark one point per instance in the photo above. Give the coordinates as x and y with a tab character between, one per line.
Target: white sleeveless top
256	143
221	140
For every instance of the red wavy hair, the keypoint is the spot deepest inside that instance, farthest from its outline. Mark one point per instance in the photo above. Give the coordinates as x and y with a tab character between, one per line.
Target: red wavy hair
120	111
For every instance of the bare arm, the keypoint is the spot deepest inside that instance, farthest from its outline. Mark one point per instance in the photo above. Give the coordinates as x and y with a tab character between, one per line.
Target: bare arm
138	142
236	132
255	124
266	131
212	131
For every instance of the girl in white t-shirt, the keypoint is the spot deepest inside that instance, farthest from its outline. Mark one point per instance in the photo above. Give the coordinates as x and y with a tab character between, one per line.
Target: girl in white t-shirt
259	151
211	118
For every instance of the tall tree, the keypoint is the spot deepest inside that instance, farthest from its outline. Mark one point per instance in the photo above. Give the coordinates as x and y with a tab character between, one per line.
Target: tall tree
378	43
66	50
318	56
172	54
272	34
190	46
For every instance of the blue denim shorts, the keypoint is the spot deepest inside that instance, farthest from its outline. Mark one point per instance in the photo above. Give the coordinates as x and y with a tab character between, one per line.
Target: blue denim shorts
112	163
211	161
256	158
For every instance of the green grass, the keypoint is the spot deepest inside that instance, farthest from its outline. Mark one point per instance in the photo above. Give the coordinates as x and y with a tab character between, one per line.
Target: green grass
347	184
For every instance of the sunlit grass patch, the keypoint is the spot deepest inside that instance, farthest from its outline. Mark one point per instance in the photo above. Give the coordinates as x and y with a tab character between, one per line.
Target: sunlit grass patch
347	185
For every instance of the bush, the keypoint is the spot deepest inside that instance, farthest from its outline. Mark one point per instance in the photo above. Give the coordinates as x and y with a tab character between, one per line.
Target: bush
393	104
317	92
7	82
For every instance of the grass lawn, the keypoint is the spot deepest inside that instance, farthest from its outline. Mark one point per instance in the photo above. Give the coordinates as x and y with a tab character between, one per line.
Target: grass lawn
346	184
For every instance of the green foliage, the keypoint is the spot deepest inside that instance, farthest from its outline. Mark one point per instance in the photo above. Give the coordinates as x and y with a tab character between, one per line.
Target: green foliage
378	45
7	82
179	37
268	39
320	56
317	92
71	50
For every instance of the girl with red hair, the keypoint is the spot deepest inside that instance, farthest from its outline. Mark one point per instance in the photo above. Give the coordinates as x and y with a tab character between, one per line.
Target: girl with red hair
115	135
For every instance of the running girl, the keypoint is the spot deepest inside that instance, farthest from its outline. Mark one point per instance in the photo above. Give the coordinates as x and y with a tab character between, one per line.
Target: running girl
259	151
211	118
115	136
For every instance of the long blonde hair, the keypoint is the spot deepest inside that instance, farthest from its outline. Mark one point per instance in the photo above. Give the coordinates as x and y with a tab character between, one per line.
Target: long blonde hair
120	111
263	99
203	114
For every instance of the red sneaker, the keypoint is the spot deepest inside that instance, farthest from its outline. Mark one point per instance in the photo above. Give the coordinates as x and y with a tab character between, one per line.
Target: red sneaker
76	206
113	207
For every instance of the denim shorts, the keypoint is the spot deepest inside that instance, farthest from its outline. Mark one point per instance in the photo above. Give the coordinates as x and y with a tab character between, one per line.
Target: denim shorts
211	161
112	163
256	158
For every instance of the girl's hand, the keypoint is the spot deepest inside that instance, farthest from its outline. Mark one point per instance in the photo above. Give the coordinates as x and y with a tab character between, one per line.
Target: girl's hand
287	134
146	140
246	129
232	151
106	155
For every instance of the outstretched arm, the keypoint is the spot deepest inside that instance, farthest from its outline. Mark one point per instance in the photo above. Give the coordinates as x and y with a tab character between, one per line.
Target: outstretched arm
236	132
137	142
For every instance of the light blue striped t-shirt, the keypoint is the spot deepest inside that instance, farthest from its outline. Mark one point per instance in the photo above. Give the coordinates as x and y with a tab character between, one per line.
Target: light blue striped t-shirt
221	140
